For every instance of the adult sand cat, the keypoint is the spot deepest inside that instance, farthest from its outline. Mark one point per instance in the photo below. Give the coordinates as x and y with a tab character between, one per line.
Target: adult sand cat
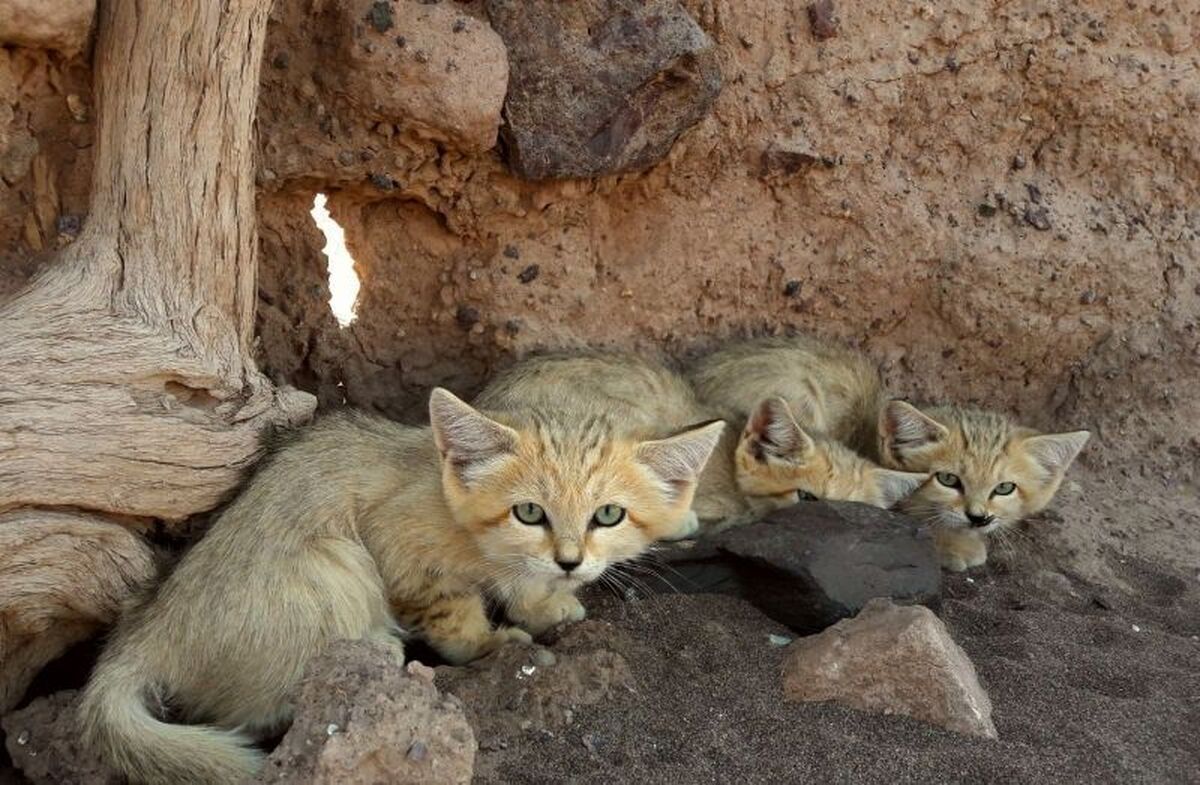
356	525
766	460
988	472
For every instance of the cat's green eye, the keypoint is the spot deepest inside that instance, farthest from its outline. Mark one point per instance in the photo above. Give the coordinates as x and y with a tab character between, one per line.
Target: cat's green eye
608	515
805	496
948	479
530	514
1004	489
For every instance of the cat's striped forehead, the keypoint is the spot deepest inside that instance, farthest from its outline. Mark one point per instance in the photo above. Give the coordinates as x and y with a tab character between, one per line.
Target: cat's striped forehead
978	439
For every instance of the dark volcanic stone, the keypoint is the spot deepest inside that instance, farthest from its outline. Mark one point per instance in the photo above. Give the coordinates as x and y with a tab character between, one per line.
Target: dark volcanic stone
813	564
600	86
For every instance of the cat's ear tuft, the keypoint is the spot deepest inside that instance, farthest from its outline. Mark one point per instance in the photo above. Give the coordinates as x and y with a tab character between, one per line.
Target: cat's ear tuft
905	432
469	442
1055	452
678	460
773	431
894	486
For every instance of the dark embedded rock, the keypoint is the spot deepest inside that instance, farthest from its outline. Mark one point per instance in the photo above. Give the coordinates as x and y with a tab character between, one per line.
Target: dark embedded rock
812	564
822	18
529	274
789	156
791	288
600	86
1038	218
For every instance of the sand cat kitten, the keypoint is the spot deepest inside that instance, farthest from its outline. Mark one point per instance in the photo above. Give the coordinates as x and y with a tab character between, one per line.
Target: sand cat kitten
356	526
832	391
988	473
769	463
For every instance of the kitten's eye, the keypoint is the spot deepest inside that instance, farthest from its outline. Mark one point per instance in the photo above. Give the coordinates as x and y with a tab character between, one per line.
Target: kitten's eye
1004	489
530	514
948	479
805	496
608	515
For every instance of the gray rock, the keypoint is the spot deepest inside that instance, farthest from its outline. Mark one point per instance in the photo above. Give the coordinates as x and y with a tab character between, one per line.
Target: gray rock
812	564
891	660
600	86
44	743
362	718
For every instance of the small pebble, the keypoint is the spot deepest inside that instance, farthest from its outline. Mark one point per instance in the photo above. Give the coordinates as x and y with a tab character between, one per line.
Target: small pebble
970	579
791	288
544	657
1136	628
331	729
23	739
511	252
417	751
529	274
778	640
528	670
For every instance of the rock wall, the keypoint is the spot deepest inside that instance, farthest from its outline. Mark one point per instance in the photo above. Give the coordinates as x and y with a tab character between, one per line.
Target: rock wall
999	201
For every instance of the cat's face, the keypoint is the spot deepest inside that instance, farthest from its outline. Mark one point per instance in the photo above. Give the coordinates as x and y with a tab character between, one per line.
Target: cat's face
559	497
777	461
985	472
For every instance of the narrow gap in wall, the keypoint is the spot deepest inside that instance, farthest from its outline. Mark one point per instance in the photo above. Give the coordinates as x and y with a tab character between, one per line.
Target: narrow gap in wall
343	280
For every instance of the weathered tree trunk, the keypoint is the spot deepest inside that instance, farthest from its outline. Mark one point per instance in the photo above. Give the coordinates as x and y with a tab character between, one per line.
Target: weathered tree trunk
127	384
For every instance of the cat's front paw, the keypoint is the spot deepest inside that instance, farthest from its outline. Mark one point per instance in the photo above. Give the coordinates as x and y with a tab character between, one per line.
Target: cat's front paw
960	550
555	609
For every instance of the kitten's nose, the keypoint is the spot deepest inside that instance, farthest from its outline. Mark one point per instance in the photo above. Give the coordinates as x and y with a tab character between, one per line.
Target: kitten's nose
567	566
979	520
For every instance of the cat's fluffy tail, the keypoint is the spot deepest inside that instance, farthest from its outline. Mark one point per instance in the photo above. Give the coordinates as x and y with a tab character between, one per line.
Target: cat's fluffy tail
117	724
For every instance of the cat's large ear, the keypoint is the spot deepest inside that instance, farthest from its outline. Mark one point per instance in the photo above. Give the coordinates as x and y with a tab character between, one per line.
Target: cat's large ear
773	431
894	486
906	432
470	443
678	460
1054	452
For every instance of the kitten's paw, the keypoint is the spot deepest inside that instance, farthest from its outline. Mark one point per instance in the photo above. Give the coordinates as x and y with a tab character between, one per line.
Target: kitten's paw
953	562
960	550
555	609
688	527
502	636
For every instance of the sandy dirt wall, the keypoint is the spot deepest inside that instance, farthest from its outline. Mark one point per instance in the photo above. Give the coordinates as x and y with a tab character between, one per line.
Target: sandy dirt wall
1000	201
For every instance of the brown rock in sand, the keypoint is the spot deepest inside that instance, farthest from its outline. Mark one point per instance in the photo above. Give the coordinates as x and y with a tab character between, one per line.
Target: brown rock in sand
361	718
893	660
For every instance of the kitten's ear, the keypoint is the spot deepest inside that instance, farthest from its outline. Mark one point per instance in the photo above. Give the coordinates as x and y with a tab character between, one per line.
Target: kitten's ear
772	430
906	431
894	486
678	460
468	441
1054	452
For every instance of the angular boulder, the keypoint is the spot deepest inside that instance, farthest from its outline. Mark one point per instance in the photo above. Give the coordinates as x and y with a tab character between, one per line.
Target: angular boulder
362	718
600	86
809	565
892	660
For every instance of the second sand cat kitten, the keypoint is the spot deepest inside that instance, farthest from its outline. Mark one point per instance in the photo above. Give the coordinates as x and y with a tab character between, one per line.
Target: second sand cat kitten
765	461
988	473
359	524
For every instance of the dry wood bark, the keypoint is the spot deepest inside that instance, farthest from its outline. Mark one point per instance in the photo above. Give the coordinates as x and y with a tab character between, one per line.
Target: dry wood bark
127	382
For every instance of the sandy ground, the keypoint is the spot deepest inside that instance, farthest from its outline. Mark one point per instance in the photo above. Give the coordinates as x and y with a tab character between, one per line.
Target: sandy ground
1087	684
